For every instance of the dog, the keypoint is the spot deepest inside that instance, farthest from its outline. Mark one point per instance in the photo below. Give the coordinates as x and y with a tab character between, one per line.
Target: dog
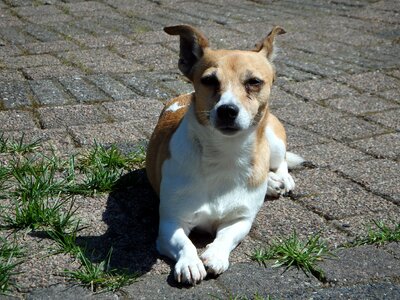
215	153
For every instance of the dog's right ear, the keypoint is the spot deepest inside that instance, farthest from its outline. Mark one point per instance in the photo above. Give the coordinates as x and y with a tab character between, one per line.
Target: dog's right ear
192	45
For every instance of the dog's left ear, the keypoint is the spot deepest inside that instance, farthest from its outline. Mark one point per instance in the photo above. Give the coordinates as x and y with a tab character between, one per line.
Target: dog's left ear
192	45
266	46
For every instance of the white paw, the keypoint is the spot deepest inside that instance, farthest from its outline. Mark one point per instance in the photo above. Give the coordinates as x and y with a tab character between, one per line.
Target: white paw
279	184
215	259
190	270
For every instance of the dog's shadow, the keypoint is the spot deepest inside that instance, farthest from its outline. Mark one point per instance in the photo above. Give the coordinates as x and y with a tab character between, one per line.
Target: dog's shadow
131	215
132	218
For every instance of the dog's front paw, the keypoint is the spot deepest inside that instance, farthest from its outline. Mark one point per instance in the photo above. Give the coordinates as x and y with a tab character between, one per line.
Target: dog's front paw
190	270
279	184
215	259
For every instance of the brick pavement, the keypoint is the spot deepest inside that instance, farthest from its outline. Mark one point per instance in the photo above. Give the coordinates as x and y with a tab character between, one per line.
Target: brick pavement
73	71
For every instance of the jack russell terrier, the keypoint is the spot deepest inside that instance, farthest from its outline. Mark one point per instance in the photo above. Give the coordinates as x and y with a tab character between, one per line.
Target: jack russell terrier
216	153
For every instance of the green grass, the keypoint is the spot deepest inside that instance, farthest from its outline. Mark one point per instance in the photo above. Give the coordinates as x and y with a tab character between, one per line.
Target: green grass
8	253
294	252
380	233
99	277
20	146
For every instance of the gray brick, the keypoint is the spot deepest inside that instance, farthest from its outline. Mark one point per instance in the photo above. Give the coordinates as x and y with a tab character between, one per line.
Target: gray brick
82	90
105	133
15	94
15	36
280	98
42	33
390	118
49	19
379	175
382	146
302	114
361	264
346	128
57	117
334	197
112	87
330	154
31	61
278	219
37	10
9	50
371	81
49	47
16	120
100	61
44	72
145	85
299	137
103	41
393	95
11	75
47	92
315	90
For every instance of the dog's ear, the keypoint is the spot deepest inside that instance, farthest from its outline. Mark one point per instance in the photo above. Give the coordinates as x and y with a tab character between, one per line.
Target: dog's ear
192	45
266	46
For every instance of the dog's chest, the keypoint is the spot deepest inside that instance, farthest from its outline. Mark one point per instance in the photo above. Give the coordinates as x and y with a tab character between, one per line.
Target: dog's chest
205	182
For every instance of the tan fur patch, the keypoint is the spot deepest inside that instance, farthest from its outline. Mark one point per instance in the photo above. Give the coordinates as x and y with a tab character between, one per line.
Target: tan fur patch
158	149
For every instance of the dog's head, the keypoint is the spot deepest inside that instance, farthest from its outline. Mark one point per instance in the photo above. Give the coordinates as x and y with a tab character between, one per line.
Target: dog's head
232	87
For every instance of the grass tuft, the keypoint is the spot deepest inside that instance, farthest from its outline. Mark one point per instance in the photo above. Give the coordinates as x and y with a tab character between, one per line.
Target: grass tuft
380	233
294	252
18	146
8	253
99	277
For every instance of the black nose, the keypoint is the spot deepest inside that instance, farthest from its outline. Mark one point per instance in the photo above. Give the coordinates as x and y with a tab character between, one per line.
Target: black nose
227	113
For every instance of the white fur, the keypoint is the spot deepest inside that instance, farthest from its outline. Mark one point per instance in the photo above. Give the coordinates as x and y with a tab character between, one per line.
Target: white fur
243	120
174	107
205	184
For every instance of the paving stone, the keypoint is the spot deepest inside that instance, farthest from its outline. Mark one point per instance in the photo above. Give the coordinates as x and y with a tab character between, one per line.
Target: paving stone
393	248
154	37
179	86
299	137
65	116
100	60
41	33
37	10
280	98
139	108
106	133
361	104
378	175
48	92
264	281
112	87
9	50
315	90
385	290
15	94
11	75
393	95
159	287
335	197
49	19
15	36
280	218
371	81
103	40
346	129
382	146
49	47
16	120
360	264
303	114
390	118
145	85
290	74
82	90
44	72
154	57
30	61
330	154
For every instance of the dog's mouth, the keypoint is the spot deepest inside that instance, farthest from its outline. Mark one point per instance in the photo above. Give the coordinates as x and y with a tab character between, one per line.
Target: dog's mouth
228	130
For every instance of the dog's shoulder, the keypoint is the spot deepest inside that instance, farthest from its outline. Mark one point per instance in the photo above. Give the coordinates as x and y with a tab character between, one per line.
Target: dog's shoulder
168	122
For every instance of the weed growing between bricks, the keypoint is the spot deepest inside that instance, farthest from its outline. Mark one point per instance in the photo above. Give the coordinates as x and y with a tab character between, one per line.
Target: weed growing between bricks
37	193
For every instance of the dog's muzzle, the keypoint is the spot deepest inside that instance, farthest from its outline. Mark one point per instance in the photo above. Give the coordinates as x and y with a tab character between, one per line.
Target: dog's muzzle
226	119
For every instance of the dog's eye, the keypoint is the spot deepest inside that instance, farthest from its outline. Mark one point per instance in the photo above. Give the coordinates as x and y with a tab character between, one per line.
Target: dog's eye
210	81
253	84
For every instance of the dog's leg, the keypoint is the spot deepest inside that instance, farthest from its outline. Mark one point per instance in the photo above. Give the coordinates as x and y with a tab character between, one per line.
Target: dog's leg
216	256
173	242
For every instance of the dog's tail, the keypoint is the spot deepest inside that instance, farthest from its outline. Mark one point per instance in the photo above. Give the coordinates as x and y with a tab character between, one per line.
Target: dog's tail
293	160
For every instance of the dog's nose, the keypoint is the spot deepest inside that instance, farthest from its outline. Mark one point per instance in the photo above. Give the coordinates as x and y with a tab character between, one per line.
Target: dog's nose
227	113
